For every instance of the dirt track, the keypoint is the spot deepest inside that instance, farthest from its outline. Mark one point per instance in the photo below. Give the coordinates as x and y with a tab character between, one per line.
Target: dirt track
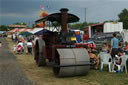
10	71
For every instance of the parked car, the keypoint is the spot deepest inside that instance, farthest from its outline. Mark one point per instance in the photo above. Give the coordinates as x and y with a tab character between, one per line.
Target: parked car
3	34
100	38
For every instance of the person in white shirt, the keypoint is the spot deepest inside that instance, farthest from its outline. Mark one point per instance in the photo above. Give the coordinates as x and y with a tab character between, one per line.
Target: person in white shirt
29	46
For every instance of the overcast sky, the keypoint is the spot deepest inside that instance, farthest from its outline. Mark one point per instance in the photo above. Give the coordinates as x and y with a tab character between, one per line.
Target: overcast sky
12	11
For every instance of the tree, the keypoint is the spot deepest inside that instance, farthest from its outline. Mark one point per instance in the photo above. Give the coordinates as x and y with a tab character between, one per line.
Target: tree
3	28
123	17
20	23
33	25
80	26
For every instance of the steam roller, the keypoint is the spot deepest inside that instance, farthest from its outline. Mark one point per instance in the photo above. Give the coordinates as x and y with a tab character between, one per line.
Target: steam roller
59	47
72	62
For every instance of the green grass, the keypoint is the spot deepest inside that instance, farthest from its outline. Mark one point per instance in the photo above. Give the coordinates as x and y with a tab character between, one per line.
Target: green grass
44	75
107	78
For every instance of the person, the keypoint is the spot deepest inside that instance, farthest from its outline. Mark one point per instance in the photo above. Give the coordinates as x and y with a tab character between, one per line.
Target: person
0	44
29	46
16	39
105	49
126	46
93	58
114	45
119	47
25	45
21	43
14	49
121	52
13	37
118	59
109	49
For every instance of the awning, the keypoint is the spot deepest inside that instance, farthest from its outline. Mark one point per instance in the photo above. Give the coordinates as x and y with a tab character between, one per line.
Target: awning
14	30
26	33
24	30
36	30
42	31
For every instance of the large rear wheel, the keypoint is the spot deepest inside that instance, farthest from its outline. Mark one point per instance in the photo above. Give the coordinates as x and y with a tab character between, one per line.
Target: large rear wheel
39	53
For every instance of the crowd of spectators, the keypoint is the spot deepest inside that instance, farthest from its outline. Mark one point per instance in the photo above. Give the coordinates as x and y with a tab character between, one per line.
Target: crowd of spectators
115	49
23	44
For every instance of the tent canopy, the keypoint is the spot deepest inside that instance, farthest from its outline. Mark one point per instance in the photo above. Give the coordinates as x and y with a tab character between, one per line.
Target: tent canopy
14	30
26	33
42	31
36	30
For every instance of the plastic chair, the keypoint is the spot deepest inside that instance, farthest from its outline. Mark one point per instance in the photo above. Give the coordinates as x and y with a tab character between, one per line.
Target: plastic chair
118	66
123	63
105	60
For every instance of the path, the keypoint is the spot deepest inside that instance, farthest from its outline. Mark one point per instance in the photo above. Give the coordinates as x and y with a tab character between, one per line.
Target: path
10	71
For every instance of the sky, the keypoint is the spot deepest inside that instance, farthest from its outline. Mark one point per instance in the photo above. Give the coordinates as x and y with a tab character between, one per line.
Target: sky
12	11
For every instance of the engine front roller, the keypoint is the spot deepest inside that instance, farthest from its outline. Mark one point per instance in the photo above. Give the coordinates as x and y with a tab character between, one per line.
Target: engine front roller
71	62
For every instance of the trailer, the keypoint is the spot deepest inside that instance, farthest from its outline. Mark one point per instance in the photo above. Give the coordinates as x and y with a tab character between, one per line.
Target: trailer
106	27
59	48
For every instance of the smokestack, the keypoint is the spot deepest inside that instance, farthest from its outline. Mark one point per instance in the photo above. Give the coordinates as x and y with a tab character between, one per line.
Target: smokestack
64	17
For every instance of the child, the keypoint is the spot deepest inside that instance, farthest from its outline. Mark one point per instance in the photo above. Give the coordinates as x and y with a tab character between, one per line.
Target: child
0	44
14	49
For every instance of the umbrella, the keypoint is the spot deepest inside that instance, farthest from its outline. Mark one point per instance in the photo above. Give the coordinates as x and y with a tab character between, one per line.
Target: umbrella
26	33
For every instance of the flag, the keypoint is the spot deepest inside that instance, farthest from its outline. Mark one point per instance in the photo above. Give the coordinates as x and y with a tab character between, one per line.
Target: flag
47	7
42	7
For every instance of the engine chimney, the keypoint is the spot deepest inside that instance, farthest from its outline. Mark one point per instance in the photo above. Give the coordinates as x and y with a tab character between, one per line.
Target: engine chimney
64	17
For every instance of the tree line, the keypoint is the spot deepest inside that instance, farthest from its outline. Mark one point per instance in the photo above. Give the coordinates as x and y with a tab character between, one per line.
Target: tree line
5	27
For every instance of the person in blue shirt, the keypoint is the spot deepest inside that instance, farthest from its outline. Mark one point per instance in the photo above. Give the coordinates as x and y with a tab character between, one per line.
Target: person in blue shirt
114	45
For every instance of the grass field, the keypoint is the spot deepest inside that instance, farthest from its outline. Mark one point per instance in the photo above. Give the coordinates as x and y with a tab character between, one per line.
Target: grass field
45	76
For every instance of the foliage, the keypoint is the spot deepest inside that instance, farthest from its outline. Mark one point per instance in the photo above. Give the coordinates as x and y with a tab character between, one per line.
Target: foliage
3	28
56	23
33	25
123	17
80	26
20	23
111	21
